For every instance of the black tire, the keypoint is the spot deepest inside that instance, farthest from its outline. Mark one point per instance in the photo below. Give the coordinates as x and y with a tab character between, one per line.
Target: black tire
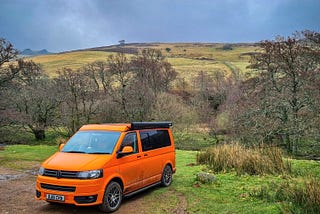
166	179
112	198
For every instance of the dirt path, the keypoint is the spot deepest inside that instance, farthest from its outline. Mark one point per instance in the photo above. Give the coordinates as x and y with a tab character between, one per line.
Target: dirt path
17	192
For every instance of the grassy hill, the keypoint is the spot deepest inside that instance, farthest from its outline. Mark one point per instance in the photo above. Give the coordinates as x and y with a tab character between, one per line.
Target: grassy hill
187	58
74	60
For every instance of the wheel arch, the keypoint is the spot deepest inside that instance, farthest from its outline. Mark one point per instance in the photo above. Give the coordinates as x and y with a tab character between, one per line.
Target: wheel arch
169	163
118	180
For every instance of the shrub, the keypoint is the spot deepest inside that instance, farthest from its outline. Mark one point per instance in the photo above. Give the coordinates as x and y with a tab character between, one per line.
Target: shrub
61	140
307	196
295	197
227	47
252	161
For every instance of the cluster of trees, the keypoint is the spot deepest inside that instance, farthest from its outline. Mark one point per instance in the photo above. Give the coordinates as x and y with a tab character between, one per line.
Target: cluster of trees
279	103
117	90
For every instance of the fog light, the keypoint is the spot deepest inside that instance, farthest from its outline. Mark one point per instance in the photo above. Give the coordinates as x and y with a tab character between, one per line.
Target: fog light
38	194
85	199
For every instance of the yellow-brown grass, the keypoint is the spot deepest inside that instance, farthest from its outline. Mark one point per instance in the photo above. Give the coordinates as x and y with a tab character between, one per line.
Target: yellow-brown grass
187	58
74	60
242	160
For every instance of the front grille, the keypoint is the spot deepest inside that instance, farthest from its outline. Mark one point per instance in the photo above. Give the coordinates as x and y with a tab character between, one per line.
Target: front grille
60	174
58	188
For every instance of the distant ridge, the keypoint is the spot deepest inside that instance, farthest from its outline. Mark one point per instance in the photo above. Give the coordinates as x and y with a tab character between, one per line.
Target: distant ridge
29	52
133	48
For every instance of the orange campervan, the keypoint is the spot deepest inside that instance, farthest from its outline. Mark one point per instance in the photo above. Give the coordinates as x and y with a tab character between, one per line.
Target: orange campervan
102	163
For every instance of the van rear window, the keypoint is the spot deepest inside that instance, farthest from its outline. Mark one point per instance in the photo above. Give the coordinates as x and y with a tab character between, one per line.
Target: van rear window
154	139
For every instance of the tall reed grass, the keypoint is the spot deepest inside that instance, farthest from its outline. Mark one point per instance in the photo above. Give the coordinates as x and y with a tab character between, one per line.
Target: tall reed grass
294	196
243	160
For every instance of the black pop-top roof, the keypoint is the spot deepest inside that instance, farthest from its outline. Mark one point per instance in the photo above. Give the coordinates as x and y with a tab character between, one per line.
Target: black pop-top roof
150	125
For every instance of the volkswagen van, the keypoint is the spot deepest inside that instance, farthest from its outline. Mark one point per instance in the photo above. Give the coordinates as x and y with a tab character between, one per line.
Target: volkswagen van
102	163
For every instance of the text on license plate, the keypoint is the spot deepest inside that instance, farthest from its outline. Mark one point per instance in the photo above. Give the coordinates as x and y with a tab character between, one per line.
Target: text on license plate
55	197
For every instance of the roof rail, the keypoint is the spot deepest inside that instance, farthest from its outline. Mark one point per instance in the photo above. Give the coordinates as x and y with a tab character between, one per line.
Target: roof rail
150	125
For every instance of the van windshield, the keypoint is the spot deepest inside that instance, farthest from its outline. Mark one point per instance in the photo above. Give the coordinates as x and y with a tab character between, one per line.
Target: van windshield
92	142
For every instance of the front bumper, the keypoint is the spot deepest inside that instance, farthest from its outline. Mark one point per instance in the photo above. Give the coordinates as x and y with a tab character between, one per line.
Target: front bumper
74	191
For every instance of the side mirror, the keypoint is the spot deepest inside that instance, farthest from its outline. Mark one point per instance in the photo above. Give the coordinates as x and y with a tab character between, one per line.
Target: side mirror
61	145
62	142
125	150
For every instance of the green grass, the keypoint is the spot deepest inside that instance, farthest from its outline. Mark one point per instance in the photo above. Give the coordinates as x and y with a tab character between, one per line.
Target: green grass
229	193
306	168
25	156
193	140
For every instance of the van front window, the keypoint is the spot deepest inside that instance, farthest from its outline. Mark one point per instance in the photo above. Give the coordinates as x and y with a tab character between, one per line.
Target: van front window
92	142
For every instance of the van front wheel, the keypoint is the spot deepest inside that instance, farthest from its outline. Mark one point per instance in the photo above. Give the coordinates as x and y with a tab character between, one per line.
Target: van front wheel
166	176
112	198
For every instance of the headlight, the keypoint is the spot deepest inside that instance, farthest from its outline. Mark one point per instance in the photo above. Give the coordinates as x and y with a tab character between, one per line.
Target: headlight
92	174
41	171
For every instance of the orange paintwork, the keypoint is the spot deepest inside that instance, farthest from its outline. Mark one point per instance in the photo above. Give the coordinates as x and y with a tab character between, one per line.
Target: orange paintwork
133	171
108	127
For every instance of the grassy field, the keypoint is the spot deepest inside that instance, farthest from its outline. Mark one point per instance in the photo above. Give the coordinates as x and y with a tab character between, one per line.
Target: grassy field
229	193
74	60
187	58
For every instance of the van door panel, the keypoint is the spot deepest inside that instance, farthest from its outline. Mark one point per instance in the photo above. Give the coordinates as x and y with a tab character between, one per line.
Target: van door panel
130	168
152	170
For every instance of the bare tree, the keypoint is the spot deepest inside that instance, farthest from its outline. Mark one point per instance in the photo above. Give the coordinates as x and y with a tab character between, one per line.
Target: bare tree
98	71
122	76
7	53
153	70
152	75
275	104
80	104
210	93
133	84
31	99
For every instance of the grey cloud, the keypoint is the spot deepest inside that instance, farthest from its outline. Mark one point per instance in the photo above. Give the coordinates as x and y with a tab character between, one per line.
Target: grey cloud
60	25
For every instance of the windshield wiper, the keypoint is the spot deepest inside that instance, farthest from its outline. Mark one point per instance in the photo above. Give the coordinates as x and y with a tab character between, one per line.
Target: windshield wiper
74	151
106	153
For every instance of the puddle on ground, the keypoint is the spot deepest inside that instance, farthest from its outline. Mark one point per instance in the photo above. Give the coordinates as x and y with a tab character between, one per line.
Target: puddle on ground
11	177
6	177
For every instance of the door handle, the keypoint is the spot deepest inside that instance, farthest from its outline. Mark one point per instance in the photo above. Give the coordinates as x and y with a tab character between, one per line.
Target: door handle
145	155
139	156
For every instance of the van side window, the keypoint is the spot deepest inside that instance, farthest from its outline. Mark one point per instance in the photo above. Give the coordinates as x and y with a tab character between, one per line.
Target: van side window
130	140
154	139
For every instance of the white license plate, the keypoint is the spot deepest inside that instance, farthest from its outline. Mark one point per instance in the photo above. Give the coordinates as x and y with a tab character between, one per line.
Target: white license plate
52	197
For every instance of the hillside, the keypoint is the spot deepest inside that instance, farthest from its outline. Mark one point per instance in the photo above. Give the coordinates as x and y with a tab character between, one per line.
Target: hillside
187	58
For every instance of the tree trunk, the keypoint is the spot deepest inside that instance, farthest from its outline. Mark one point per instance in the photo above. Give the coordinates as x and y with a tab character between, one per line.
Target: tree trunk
39	134
288	143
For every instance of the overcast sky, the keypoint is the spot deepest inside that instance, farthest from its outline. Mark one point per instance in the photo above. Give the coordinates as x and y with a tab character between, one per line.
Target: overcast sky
60	25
